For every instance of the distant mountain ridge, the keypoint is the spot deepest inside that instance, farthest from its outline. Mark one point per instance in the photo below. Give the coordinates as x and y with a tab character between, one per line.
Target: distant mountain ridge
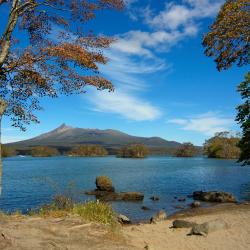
67	136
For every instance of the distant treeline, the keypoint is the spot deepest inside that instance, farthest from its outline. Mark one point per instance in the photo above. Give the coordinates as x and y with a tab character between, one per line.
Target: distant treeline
222	145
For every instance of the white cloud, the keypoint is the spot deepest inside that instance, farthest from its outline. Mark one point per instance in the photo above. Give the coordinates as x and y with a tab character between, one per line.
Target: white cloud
207	124
125	105
141	43
175	16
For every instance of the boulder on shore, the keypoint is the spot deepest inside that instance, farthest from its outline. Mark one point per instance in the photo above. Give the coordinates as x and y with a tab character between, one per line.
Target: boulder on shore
104	183
214	196
123	219
208	227
183	224
195	204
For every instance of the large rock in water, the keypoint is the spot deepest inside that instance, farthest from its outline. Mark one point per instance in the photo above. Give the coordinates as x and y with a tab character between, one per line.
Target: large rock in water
214	196
104	183
113	196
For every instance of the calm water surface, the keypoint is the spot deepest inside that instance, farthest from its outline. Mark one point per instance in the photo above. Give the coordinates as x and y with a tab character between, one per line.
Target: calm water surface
29	182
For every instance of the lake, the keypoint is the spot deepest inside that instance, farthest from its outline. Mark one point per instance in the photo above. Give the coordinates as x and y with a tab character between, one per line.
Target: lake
30	182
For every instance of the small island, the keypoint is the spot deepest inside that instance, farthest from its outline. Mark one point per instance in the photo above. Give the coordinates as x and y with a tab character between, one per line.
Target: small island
133	151
186	150
44	151
222	146
88	150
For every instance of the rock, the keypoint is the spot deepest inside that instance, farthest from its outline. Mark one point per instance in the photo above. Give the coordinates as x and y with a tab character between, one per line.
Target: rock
131	196
195	204
208	227
179	207
104	183
182	199
154	198
214	196
183	224
123	219
145	208
160	216
189	196
113	196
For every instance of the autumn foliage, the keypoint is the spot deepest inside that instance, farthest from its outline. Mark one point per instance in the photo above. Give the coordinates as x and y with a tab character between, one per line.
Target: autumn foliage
223	146
54	54
44	151
228	40
88	150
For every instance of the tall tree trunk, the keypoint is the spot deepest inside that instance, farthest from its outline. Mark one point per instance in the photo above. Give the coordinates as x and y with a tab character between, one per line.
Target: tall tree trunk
3	106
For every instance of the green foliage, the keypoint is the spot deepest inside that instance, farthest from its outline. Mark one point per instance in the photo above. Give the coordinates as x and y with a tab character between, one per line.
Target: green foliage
243	118
186	150
8	151
222	145
134	151
88	150
44	151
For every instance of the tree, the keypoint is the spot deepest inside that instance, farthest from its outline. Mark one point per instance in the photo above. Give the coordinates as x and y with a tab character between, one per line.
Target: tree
243	118
186	150
54	54
133	151
223	146
44	151
228	41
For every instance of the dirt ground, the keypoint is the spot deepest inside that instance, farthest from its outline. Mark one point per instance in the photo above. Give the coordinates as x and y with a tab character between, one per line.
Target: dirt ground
70	233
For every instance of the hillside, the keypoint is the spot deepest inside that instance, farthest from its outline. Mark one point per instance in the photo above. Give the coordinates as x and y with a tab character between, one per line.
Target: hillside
67	136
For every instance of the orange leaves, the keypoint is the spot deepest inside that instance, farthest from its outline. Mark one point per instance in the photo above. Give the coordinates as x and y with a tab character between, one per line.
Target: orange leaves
76	54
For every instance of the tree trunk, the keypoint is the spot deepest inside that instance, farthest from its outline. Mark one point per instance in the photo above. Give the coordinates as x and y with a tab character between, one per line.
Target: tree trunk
3	106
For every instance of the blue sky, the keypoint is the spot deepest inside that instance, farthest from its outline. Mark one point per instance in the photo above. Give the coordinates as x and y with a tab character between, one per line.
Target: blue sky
164	85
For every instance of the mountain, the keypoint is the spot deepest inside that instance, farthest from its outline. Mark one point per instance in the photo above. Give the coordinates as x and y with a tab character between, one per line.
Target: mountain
67	136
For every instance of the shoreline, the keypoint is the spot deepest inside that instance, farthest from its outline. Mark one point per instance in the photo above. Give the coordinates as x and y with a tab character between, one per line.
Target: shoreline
72	233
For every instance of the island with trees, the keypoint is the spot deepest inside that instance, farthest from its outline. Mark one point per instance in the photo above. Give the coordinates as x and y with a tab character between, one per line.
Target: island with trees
186	150
87	151
44	151
223	145
8	151
133	151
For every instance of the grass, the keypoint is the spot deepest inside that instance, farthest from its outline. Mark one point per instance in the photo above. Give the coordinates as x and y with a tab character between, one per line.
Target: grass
91	211
95	211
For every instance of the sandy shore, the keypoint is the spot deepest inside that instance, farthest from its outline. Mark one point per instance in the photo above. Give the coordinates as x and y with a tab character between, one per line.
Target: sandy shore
25	233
